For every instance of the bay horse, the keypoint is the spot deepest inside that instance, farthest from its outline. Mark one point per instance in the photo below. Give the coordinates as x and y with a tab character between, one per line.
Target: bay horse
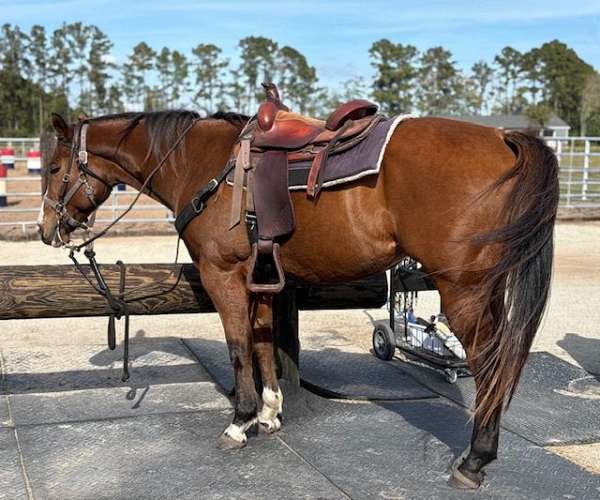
475	205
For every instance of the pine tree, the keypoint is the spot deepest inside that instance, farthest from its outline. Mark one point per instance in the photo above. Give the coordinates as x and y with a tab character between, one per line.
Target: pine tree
99	66
235	90
60	62
142	62
296	78
208	68
482	75
510	70
162	64
565	75
78	41
179	77
114	100
16	94
590	101
38	50
258	65
532	67
440	83
394	81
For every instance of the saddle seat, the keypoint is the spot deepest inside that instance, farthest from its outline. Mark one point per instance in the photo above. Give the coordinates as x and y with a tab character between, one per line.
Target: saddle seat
279	128
267	146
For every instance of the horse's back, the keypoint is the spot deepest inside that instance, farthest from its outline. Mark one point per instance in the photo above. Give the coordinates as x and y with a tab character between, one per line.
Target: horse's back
445	146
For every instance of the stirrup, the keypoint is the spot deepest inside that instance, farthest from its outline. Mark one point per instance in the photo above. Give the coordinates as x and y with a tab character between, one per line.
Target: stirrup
265	287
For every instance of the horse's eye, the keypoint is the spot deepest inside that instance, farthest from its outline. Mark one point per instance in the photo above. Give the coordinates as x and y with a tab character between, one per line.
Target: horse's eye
54	168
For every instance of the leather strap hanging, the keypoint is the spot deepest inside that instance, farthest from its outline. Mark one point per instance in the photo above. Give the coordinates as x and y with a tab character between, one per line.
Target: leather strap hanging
314	183
242	164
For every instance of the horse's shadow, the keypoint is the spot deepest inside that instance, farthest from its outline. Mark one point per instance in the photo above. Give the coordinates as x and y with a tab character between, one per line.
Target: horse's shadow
152	361
444	418
157	360
584	350
140	347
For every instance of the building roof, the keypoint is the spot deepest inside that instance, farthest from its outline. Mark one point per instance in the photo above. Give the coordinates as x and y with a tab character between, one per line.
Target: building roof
511	121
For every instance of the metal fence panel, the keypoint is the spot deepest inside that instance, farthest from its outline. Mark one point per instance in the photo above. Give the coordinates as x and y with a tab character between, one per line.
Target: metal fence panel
21	145
579	159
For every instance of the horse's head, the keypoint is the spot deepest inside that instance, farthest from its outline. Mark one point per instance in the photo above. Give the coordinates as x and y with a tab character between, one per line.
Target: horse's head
75	182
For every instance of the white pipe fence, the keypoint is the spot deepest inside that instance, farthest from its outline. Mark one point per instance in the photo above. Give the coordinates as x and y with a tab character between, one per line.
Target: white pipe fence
21	146
108	212
579	159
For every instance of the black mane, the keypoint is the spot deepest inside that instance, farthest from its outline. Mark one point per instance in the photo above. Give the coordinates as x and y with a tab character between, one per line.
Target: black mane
237	119
164	127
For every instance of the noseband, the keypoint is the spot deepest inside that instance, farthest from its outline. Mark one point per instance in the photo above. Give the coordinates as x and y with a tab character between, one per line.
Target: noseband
79	158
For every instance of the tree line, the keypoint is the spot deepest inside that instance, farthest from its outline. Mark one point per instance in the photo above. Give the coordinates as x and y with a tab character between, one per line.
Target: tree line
71	70
546	80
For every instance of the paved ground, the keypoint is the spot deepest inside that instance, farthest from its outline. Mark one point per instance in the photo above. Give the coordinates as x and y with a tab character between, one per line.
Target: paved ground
72	430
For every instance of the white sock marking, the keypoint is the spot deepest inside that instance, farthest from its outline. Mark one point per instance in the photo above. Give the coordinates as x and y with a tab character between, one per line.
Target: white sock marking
237	432
272	405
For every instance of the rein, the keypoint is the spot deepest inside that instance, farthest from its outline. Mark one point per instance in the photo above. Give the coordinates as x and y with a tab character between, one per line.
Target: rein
117	302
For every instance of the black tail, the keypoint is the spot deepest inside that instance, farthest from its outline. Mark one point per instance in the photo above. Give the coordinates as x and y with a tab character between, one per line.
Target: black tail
515	291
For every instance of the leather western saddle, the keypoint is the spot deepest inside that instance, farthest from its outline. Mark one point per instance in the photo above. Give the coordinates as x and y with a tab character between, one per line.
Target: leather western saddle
272	140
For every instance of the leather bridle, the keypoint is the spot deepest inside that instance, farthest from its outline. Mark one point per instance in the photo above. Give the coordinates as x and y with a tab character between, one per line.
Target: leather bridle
78	160
118	302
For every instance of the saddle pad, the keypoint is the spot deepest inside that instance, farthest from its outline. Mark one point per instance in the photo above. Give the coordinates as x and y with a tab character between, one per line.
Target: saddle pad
360	161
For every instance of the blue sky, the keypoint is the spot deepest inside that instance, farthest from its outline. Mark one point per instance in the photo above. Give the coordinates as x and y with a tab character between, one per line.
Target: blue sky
334	35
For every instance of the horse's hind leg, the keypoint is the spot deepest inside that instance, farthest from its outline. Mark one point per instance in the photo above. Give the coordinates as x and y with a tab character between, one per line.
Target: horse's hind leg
467	470
227	290
272	398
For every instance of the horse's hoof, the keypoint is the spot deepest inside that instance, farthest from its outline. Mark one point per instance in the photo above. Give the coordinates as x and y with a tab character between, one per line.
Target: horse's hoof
270	426
228	443
464	480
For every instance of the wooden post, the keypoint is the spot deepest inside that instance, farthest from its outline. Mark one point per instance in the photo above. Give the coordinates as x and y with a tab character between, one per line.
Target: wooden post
285	333
61	292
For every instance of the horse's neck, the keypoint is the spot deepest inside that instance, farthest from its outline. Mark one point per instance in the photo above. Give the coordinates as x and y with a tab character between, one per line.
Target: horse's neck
175	175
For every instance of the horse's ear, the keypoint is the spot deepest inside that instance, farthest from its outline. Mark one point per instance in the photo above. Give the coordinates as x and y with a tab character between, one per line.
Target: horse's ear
60	126
82	117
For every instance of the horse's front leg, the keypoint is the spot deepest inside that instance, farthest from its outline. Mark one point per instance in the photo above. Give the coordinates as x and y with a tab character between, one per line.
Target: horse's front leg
272	398
227	290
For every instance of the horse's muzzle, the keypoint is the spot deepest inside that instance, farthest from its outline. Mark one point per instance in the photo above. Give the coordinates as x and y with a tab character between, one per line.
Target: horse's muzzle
50	236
